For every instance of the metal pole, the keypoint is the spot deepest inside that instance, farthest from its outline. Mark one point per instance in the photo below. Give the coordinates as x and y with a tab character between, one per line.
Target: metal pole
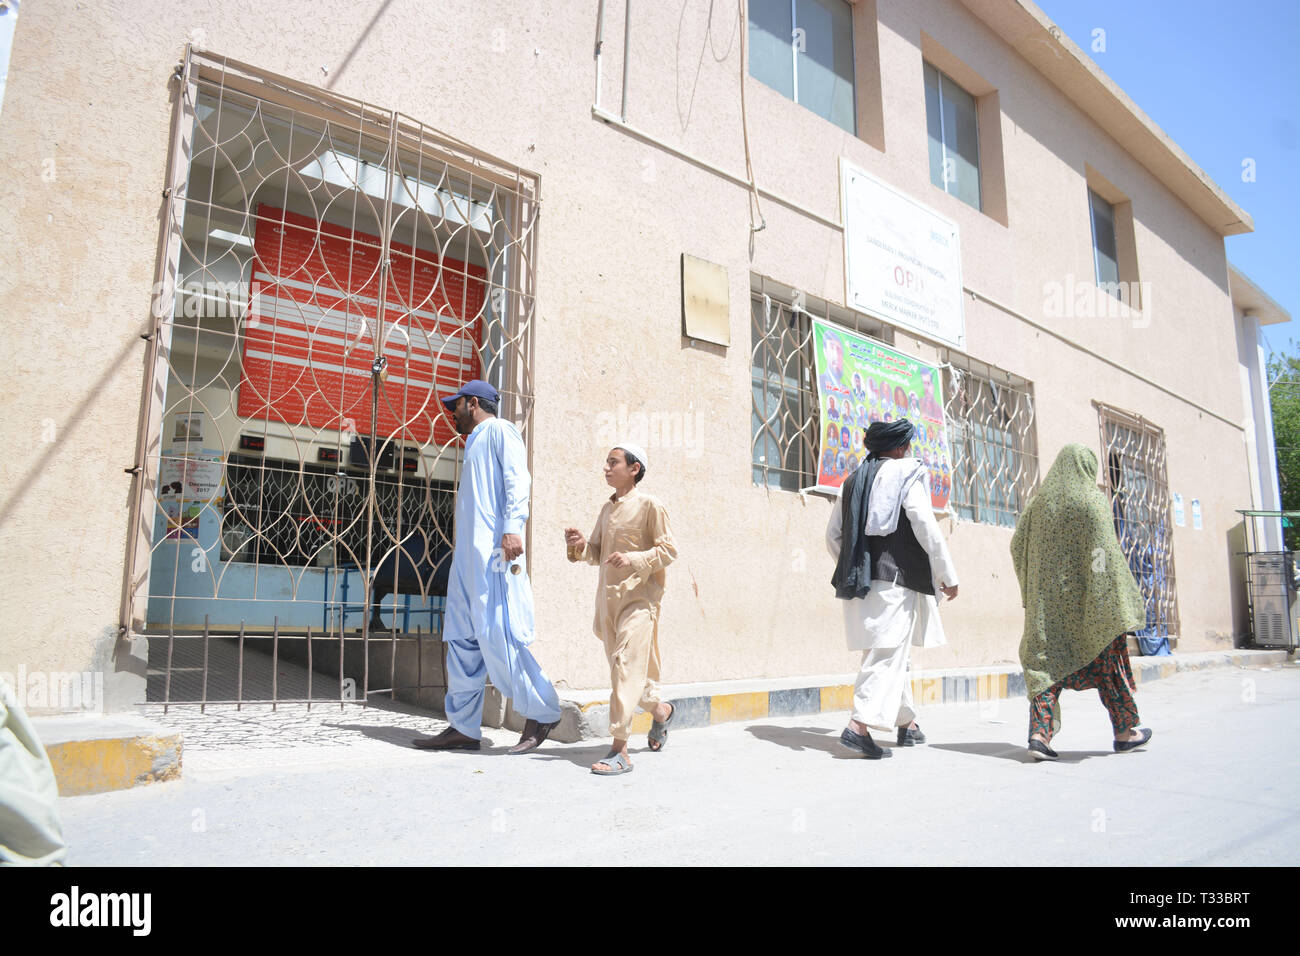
600	42
309	667
627	46
275	661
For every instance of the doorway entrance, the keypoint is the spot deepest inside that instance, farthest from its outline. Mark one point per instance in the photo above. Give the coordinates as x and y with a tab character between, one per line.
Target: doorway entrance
326	271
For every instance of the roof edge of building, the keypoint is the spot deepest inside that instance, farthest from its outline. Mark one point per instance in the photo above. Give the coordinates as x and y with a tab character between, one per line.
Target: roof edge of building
1250	298
1032	34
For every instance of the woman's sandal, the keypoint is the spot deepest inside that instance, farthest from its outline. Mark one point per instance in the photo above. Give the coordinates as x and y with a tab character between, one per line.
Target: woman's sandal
1040	751
1124	746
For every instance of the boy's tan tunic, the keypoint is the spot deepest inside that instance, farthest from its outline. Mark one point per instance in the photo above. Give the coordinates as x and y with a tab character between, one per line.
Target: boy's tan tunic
628	599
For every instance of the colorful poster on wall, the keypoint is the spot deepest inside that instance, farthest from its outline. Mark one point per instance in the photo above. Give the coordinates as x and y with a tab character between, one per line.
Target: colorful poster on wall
309	340
860	382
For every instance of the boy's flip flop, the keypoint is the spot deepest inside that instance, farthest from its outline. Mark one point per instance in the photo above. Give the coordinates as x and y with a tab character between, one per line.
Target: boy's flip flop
617	764
658	735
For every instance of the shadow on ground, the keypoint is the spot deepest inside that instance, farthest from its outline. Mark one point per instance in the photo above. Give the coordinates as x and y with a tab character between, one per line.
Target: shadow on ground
807	738
1015	752
396	735
587	756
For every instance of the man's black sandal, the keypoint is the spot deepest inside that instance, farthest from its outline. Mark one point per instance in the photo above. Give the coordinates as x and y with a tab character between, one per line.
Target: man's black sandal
864	744
910	737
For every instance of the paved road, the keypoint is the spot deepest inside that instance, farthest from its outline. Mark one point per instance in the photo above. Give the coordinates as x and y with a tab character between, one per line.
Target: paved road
1217	786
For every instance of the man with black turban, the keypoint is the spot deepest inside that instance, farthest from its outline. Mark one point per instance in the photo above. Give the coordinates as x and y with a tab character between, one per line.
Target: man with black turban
890	557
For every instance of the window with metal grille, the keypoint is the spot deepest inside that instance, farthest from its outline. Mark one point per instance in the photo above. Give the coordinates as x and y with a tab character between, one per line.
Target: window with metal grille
1135	471
991	428
286	512
784	422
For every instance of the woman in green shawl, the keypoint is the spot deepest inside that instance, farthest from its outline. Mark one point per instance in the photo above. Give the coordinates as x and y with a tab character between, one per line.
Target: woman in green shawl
1080	602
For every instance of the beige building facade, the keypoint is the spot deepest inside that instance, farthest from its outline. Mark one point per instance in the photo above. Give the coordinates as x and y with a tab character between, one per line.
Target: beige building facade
557	159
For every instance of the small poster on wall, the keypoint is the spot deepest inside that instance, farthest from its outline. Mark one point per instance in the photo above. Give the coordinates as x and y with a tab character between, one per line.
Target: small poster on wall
1196	513
190	476
188	428
188	481
1180	517
182	518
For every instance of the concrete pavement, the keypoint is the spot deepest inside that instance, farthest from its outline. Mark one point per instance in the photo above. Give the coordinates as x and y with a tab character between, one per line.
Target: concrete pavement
1216	786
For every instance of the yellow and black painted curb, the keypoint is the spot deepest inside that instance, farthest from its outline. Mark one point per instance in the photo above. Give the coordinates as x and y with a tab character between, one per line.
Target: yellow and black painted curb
928	689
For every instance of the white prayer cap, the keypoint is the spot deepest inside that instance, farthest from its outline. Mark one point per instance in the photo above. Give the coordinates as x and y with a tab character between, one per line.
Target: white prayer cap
636	451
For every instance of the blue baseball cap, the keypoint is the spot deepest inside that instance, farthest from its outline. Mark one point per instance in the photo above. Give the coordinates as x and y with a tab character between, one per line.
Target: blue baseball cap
474	389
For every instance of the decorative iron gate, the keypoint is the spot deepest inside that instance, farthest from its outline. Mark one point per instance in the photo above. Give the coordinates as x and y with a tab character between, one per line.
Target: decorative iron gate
327	270
1136	475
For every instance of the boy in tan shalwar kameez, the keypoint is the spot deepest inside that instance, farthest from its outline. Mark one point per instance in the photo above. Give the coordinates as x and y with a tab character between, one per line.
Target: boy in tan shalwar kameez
632	544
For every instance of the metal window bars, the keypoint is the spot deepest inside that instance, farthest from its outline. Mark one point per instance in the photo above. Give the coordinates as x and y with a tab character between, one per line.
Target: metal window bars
990	411
327	269
784	423
1135	471
992	434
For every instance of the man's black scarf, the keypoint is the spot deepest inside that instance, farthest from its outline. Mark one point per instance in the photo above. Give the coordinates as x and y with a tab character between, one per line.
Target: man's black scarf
852	577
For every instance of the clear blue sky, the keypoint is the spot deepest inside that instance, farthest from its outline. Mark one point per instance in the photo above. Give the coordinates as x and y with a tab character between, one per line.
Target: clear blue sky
1222	79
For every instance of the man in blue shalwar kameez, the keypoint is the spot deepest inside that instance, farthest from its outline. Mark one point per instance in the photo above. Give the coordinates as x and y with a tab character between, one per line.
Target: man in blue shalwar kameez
488	622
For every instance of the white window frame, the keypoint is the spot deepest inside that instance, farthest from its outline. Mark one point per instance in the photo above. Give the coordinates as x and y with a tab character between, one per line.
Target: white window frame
794	63
1111	286
944	140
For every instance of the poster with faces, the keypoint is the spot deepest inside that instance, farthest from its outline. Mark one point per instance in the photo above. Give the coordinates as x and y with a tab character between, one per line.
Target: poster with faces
859	382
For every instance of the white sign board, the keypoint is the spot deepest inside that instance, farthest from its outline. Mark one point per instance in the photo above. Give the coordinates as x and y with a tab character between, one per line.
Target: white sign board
902	260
